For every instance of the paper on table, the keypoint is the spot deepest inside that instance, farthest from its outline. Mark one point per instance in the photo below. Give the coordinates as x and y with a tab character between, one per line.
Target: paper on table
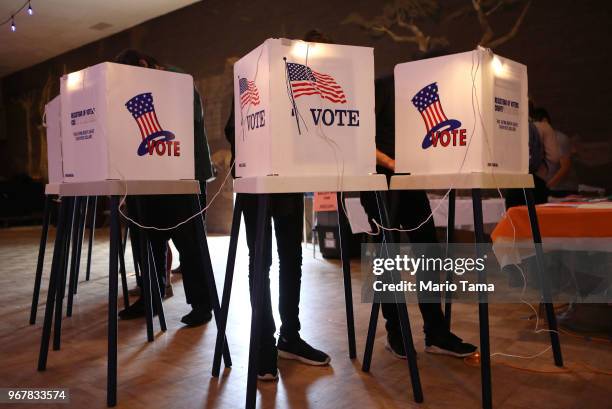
357	217
558	205
600	205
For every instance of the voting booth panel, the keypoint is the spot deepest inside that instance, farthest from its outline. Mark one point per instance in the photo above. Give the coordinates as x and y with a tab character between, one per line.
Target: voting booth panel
54	140
304	109
124	122
461	113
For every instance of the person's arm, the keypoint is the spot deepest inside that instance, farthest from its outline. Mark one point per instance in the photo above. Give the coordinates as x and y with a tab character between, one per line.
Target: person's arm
385	161
565	165
203	164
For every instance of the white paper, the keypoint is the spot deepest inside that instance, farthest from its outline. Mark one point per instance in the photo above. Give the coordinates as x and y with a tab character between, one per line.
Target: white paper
357	216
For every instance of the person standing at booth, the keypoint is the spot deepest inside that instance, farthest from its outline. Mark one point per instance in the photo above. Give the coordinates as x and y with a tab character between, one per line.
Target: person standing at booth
407	209
287	212
168	210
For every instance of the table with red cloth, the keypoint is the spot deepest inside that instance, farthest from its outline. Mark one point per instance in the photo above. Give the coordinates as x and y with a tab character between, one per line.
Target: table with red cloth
578	235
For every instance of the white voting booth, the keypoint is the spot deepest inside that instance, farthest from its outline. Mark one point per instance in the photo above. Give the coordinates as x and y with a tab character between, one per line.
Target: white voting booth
54	140
304	109
126	123
460	114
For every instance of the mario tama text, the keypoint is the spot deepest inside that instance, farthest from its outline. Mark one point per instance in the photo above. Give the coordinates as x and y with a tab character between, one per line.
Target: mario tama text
483	272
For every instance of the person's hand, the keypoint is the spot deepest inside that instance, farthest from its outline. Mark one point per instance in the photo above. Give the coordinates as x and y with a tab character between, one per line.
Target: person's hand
390	164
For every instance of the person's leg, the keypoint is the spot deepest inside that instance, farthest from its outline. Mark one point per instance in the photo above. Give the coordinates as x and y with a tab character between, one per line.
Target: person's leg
371	207
288	216
152	206
267	368
193	270
415	209
250	223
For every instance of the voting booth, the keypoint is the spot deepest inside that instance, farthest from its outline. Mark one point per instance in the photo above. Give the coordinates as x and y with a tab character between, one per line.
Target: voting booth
127	123
54	140
304	109
461	113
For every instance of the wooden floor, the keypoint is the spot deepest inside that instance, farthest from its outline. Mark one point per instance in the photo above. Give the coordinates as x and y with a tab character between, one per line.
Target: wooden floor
174	371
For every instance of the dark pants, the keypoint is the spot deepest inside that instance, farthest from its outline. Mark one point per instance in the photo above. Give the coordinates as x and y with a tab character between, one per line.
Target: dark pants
166	211
407	209
287	211
515	197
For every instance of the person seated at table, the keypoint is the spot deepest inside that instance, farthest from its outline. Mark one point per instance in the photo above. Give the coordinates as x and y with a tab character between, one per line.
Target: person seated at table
168	210
287	211
552	156
408	209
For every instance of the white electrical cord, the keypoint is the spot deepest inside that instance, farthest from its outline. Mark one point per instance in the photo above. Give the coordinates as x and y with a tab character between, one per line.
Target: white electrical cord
142	226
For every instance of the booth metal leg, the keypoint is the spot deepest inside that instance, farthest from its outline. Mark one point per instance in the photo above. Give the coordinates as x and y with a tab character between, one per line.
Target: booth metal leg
483	305
227	285
544	281
115	238
146	273
373	323
41	258
58	254
135	255
369	347
263	202
155	287
124	284
411	356
210	276
91	236
82	223
61	278
404	320
74	261
345	254
124	239
450	238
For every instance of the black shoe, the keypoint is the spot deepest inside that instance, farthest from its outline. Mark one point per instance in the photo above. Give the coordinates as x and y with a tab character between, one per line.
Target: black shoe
449	344
136	310
299	350
267	367
395	345
198	316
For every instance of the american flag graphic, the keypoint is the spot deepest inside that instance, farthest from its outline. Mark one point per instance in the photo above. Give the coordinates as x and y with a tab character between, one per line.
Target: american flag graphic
428	104
306	81
248	92
142	109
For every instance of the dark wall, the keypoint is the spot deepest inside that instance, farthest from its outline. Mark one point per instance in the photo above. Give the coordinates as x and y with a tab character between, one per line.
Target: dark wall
563	43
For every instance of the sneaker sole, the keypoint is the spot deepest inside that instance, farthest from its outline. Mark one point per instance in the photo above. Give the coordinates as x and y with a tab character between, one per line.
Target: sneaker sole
267	377
432	349
395	354
289	355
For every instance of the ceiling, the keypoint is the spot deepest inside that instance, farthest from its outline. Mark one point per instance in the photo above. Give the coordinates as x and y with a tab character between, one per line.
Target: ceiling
58	26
